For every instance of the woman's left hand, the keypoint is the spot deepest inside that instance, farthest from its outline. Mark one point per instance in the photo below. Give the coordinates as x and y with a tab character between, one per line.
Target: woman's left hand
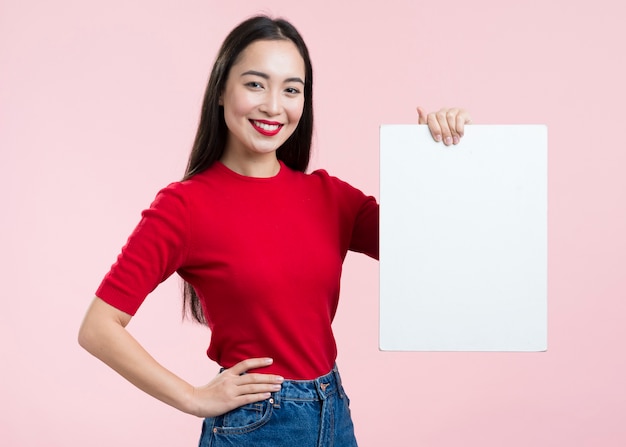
447	125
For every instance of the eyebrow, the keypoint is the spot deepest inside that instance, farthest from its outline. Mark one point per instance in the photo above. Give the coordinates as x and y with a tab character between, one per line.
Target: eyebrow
266	76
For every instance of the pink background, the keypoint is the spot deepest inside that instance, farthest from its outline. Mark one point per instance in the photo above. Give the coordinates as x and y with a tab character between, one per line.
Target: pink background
98	107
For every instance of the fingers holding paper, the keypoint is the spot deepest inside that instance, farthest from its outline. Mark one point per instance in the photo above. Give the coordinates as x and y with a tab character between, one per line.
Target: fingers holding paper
447	124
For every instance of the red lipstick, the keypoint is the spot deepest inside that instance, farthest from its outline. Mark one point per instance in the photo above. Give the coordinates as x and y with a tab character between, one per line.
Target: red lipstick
267	128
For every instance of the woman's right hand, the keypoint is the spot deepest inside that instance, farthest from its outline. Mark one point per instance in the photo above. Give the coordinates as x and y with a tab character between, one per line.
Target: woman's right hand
103	334
232	388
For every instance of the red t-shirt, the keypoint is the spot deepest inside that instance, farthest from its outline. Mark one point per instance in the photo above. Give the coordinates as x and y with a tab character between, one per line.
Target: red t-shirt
263	254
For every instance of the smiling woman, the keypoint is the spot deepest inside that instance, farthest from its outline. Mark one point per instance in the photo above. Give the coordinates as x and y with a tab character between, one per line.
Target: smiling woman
260	245
263	101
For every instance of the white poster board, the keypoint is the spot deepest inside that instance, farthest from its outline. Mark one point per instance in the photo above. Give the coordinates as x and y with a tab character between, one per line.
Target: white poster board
463	239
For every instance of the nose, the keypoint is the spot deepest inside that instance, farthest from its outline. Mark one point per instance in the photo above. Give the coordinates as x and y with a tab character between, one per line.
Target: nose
271	103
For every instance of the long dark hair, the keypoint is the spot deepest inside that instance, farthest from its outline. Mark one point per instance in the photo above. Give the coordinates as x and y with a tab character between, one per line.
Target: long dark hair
210	141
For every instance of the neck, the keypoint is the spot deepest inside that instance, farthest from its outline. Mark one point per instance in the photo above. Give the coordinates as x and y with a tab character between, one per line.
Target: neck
260	168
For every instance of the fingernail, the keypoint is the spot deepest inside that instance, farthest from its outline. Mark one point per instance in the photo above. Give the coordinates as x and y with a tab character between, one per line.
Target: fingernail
276	387
280	379
456	139
269	361
438	138
448	140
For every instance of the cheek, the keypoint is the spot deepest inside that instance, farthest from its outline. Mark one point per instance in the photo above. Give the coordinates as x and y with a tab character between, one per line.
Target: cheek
236	103
295	113
230	116
235	110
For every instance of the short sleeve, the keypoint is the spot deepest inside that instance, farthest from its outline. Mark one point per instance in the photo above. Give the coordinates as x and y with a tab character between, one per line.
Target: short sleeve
154	251
365	233
359	215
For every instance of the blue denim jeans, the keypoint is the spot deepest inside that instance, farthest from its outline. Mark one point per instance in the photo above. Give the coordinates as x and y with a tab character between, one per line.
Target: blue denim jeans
304	413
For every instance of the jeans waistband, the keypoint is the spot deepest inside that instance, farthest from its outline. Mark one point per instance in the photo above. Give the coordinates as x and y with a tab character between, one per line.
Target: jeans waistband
309	390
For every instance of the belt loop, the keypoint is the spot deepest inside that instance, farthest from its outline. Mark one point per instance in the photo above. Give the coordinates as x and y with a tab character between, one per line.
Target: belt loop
338	379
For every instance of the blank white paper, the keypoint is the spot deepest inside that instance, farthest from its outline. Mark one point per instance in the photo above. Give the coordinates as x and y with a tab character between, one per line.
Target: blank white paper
463	239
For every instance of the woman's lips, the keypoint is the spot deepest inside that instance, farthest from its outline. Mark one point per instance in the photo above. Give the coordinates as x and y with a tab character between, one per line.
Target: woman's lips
267	128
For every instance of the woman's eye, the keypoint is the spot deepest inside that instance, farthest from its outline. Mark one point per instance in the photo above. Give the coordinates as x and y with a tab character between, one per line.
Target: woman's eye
254	84
292	90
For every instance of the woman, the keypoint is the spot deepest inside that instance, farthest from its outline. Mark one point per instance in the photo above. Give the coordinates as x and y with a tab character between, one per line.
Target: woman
260	245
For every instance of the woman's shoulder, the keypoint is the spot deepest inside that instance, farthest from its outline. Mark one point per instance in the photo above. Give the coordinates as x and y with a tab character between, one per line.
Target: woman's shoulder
181	193
323	176
191	185
331	188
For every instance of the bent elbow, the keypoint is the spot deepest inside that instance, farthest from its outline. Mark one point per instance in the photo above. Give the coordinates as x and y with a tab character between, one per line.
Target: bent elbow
85	335
88	331
100	325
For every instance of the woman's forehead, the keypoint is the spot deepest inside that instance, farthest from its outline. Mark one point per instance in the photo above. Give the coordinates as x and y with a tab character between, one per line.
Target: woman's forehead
273	57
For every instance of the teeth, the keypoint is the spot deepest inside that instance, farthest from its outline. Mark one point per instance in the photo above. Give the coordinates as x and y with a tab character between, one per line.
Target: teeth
268	127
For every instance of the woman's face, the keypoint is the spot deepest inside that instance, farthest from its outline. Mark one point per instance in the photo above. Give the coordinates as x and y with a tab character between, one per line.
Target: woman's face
263	98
